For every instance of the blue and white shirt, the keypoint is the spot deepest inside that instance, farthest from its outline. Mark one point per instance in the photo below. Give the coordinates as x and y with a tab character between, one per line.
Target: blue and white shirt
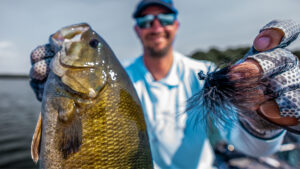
175	144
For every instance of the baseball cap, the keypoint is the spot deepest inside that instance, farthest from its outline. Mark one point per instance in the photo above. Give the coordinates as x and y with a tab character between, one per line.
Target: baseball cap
145	3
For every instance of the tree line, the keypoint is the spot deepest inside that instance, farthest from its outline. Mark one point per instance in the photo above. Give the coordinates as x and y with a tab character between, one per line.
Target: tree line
225	57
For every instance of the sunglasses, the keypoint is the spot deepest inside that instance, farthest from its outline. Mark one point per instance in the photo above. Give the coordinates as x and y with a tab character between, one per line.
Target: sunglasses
147	20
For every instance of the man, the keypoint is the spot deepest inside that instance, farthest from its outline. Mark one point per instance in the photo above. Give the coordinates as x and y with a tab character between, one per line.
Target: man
165	79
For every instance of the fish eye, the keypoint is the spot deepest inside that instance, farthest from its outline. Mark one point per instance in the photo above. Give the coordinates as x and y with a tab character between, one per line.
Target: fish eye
94	43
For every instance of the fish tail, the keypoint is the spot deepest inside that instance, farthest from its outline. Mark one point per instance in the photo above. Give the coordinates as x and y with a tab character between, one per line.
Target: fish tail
36	140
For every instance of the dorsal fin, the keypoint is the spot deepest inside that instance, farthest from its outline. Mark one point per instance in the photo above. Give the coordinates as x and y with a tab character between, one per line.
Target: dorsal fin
36	140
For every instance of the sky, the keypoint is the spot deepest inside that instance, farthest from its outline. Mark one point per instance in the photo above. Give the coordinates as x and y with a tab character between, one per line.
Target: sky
25	24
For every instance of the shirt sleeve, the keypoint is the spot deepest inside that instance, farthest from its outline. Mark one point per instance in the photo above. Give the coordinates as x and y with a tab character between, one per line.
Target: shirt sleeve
247	143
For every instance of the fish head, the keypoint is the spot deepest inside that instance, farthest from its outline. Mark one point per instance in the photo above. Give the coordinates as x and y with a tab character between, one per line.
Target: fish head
81	59
79	45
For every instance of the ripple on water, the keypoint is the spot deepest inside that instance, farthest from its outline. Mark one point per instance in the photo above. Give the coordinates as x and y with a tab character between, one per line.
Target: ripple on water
19	111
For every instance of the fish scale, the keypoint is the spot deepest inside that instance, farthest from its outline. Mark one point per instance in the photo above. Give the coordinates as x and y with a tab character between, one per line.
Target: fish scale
116	147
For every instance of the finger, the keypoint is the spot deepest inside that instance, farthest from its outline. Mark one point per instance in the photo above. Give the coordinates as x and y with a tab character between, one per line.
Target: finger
41	52
248	89
262	42
282	70
289	104
283	81
272	112
250	100
40	70
248	69
268	39
275	61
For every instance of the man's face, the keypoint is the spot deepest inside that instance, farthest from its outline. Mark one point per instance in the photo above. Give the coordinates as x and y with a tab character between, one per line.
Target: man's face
157	39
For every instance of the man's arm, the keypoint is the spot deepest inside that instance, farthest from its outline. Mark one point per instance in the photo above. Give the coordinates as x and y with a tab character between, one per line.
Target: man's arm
257	135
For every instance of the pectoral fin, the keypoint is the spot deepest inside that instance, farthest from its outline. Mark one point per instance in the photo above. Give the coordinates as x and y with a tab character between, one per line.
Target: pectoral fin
69	126
71	139
36	140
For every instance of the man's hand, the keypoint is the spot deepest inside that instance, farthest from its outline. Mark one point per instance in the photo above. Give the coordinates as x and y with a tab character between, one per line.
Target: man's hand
251	71
246	78
266	40
247	75
40	60
269	69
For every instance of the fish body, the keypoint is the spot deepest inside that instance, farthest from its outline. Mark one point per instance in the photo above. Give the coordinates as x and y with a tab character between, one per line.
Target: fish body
91	116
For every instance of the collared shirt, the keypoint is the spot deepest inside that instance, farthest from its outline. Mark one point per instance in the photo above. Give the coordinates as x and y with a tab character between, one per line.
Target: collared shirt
175	144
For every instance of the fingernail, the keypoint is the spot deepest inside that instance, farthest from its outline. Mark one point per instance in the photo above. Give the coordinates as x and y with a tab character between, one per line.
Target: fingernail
263	42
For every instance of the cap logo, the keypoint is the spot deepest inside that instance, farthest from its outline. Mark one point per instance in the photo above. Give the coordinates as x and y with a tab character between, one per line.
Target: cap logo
167	1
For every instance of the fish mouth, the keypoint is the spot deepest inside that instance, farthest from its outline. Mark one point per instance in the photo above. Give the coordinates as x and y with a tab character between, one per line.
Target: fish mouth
69	39
72	33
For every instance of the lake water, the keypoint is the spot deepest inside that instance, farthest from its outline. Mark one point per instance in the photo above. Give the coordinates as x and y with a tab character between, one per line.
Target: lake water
19	112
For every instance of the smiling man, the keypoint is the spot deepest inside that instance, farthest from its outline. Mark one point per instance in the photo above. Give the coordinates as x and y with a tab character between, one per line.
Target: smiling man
165	79
156	28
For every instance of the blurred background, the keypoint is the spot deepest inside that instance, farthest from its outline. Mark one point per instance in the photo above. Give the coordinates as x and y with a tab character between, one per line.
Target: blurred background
216	30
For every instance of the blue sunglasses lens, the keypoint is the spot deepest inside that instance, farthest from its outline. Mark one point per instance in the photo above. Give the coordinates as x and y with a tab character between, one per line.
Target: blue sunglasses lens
166	19
147	20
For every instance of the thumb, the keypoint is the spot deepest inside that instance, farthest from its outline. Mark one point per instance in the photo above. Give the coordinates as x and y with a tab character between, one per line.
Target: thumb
268	39
262	43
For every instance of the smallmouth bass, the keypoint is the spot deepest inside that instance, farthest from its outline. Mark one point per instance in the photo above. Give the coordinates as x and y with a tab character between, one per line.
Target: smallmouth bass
91	116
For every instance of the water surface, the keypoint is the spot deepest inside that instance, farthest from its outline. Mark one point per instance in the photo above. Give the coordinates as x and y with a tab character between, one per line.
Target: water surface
19	111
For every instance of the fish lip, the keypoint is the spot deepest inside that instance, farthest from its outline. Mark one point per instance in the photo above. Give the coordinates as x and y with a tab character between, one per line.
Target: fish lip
61	36
75	67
